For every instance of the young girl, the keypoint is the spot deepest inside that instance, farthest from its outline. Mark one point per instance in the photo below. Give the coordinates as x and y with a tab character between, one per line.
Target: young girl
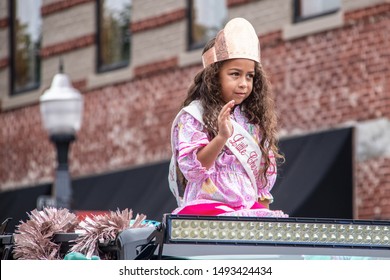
224	138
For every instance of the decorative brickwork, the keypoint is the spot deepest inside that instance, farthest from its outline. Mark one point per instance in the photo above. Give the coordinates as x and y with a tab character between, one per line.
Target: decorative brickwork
4	62
3	23
80	84
270	39
67	46
158	21
156	67
368	13
232	3
61	5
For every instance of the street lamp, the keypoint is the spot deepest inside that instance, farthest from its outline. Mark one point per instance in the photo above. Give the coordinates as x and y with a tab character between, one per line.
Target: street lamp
61	110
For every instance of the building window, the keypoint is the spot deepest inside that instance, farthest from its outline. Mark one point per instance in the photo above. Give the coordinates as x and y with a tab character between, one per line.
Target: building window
308	9
113	36
25	44
205	19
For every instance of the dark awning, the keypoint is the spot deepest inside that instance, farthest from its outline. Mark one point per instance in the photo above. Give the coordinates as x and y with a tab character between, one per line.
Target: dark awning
317	177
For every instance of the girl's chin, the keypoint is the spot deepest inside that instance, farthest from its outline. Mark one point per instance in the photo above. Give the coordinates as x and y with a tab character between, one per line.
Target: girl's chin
237	101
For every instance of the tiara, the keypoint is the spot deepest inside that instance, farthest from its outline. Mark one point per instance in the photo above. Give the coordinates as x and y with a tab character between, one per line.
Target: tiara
237	40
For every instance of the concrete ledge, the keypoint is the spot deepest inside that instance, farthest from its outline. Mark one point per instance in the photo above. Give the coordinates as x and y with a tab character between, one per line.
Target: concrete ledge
312	26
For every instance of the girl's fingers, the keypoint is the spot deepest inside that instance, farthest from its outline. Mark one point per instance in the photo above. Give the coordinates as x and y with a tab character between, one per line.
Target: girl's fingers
224	124
224	115
227	108
229	105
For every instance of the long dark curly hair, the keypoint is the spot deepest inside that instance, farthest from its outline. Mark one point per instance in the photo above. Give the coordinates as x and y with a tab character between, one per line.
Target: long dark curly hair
258	108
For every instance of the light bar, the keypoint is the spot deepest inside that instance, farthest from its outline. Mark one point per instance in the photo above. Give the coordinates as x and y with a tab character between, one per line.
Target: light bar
278	231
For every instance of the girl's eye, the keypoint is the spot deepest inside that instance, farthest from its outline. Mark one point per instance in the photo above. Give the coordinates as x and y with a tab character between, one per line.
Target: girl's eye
250	76
235	74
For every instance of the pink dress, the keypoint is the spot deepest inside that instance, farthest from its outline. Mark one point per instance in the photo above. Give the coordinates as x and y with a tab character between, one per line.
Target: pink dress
225	186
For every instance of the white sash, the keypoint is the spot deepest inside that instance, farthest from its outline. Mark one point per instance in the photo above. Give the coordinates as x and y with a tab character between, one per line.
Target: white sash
241	143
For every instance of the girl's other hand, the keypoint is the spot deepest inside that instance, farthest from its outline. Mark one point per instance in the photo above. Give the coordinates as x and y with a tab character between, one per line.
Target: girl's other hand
225	128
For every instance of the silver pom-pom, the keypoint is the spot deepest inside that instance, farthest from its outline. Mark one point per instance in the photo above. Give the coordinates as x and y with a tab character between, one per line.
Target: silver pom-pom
102	229
34	238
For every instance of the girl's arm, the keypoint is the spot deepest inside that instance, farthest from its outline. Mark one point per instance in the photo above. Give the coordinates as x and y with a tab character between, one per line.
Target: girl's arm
208	154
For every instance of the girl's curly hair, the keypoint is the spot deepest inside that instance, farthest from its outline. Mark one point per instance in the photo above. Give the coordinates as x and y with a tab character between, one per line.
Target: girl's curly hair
258	107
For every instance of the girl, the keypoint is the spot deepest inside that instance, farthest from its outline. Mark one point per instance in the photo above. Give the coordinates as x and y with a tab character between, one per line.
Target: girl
224	138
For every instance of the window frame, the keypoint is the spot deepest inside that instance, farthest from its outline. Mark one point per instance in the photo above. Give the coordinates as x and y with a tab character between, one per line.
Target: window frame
107	68
191	45
11	44
298	18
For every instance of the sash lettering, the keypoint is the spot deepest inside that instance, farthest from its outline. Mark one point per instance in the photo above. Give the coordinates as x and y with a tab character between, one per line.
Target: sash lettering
252	161
238	143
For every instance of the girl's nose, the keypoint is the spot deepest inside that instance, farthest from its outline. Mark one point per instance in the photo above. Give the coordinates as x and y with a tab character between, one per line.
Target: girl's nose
243	83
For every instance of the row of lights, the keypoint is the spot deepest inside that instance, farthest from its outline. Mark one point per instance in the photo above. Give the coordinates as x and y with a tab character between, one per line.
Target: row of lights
282	232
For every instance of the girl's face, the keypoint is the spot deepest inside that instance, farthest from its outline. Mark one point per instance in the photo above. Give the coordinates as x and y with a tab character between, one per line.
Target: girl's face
236	77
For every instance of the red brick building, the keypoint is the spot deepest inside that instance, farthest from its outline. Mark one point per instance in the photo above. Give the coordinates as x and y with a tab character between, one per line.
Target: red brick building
328	71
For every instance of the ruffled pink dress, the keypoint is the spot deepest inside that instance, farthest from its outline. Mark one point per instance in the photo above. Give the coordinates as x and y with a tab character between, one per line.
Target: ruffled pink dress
224	189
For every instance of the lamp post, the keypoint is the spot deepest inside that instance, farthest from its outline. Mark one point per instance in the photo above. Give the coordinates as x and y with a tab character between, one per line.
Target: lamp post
61	110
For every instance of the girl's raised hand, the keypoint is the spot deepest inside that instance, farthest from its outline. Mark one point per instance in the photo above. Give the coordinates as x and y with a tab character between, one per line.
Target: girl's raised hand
225	128
210	152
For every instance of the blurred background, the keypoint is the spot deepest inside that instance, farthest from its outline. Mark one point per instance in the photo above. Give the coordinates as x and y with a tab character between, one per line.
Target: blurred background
133	60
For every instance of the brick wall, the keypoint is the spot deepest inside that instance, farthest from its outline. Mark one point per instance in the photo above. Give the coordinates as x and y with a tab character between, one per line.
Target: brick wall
146	9
373	188
67	22
270	15
158	44
359	4
123	125
333	77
